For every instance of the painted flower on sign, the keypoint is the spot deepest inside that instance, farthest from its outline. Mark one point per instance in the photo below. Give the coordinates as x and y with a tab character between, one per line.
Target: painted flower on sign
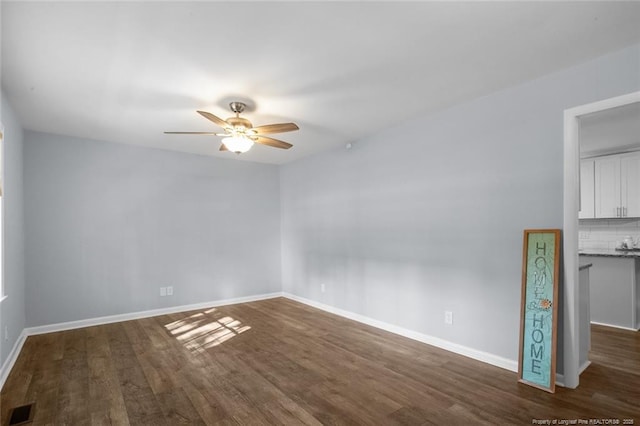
545	304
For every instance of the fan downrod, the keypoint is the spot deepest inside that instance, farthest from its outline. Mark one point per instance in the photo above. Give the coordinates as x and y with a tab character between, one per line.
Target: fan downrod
237	107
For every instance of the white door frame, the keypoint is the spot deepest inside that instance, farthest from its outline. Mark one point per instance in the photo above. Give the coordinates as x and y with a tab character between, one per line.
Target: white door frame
2	233
571	327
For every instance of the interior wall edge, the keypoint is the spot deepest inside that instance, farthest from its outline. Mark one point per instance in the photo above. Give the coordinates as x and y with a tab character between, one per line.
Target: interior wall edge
12	307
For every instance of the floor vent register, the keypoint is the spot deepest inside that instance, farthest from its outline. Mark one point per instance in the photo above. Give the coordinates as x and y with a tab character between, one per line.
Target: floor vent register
21	415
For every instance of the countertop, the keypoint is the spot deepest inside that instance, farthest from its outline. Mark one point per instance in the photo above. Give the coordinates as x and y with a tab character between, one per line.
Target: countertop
585	266
609	253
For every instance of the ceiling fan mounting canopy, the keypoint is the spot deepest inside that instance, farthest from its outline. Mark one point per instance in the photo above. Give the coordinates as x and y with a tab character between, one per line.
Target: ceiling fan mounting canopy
240	135
237	107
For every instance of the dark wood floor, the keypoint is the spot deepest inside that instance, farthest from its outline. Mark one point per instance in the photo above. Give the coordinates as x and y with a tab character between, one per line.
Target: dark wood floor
280	362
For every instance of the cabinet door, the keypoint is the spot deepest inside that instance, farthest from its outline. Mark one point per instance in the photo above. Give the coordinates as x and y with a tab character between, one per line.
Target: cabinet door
611	291
587	189
607	183
630	184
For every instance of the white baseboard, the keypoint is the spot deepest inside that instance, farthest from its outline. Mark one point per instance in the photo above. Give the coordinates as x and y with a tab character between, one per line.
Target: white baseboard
560	377
584	366
11	359
31	331
486	357
615	326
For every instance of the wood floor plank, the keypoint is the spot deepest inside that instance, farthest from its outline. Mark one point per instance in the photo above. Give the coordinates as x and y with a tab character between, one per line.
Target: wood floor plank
73	388
280	362
287	412
177	408
204	401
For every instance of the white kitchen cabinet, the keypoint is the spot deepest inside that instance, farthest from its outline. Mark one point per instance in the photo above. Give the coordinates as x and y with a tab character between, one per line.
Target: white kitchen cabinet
587	189
607	186
617	185
630	184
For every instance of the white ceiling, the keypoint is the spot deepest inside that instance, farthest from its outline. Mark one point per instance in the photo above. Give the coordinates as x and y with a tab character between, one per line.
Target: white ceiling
126	72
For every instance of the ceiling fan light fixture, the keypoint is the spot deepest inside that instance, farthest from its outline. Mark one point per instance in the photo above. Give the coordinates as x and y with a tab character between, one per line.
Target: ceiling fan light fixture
240	135
238	144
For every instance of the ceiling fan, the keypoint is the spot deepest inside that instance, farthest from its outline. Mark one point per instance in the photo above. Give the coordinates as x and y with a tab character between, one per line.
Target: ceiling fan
240	135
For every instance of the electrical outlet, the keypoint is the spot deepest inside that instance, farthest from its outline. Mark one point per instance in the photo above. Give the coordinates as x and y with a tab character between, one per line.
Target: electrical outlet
323	288
170	291
448	317
163	291
6	332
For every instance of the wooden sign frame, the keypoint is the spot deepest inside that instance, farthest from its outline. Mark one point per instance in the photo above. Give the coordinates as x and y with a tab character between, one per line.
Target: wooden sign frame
539	308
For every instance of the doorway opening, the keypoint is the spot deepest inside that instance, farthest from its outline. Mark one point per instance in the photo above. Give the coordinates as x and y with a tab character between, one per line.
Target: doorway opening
572	327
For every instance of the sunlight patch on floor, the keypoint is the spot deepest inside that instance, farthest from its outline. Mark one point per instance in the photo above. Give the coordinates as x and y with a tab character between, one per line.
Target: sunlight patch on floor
198	331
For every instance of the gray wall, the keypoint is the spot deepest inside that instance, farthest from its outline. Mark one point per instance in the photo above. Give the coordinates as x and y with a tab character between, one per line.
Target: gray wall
428	216
415	220
108	224
12	309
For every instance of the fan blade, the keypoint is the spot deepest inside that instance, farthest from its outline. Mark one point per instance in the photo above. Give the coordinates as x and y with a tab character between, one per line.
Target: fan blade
272	142
219	121
276	128
194	133
223	147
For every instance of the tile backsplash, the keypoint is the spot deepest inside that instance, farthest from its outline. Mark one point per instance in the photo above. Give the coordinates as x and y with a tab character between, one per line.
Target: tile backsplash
606	233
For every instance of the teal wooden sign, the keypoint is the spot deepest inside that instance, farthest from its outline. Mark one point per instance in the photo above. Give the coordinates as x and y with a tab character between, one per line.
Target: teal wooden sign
539	308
